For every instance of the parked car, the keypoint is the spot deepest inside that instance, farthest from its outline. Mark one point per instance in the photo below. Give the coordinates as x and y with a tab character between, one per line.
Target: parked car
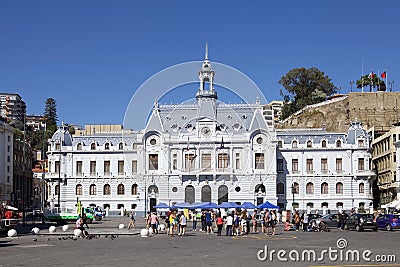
313	217
361	221
388	221
331	220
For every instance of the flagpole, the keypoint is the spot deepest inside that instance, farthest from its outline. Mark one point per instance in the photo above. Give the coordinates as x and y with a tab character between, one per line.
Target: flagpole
379	84
386	79
362	71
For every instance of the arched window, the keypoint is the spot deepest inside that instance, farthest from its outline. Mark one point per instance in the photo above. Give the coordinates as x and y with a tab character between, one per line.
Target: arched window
339	188
107	189
323	143
280	189
206	193
134	189
57	190
107	146
309	143
294	144
189	194
279	144
79	146
361	188
121	189
338	143
295	188
260	188
222	194
310	188
153	189
121	146
324	188
93	146
78	189
92	190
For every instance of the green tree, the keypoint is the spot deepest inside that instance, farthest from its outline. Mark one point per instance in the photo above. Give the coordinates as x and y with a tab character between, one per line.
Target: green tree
304	87
50	112
372	82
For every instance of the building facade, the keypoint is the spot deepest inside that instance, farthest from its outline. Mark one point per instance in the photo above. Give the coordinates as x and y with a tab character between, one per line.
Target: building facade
22	189
199	152
6	161
384	159
12	108
319	170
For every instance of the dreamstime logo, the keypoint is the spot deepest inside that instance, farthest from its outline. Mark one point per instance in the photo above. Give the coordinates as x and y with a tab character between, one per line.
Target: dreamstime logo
340	253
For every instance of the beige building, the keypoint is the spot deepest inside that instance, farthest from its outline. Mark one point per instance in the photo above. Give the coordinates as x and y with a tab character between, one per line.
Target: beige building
273	111
384	160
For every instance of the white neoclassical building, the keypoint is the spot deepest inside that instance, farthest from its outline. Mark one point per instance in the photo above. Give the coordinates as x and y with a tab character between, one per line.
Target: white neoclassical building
209	151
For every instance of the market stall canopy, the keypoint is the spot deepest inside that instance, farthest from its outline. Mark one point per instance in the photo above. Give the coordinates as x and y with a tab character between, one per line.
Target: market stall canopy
161	205
228	205
182	205
209	205
267	205
248	206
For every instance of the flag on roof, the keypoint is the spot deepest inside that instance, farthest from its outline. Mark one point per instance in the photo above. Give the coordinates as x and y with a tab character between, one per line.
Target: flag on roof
383	75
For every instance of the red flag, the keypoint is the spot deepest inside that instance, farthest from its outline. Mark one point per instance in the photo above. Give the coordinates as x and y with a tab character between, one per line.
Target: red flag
383	75
371	75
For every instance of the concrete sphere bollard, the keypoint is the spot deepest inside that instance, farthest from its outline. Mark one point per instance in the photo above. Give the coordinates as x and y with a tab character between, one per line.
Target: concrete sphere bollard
144	232
161	227
35	230
12	233
52	229
151	231
77	232
65	228
121	226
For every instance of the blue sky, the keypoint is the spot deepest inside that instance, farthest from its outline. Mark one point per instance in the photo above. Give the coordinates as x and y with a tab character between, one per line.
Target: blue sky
91	56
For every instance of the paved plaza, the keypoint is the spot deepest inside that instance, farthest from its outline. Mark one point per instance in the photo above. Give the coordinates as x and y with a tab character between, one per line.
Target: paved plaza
123	247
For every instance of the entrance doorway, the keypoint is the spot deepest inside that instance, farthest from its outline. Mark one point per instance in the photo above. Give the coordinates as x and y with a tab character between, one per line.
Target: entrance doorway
153	202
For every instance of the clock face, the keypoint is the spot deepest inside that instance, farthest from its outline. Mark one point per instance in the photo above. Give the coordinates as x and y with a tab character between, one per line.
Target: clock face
206	131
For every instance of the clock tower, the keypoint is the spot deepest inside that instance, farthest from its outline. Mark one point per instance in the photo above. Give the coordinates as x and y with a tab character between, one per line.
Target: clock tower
206	100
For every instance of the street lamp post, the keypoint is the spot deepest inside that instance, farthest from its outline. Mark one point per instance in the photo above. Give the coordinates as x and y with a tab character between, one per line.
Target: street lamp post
293	189
351	86
59	178
145	196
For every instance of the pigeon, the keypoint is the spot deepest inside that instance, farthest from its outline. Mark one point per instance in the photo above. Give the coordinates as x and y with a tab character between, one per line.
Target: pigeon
34	239
59	238
48	239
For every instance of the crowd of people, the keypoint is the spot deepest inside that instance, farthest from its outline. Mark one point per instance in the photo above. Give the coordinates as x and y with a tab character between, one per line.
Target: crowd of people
236	223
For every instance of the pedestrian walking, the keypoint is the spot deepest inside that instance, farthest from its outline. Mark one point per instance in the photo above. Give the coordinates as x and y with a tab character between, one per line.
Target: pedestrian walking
132	220
209	222
305	222
153	222
254	222
194	221
220	223
172	217
203	221
182	224
229	225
